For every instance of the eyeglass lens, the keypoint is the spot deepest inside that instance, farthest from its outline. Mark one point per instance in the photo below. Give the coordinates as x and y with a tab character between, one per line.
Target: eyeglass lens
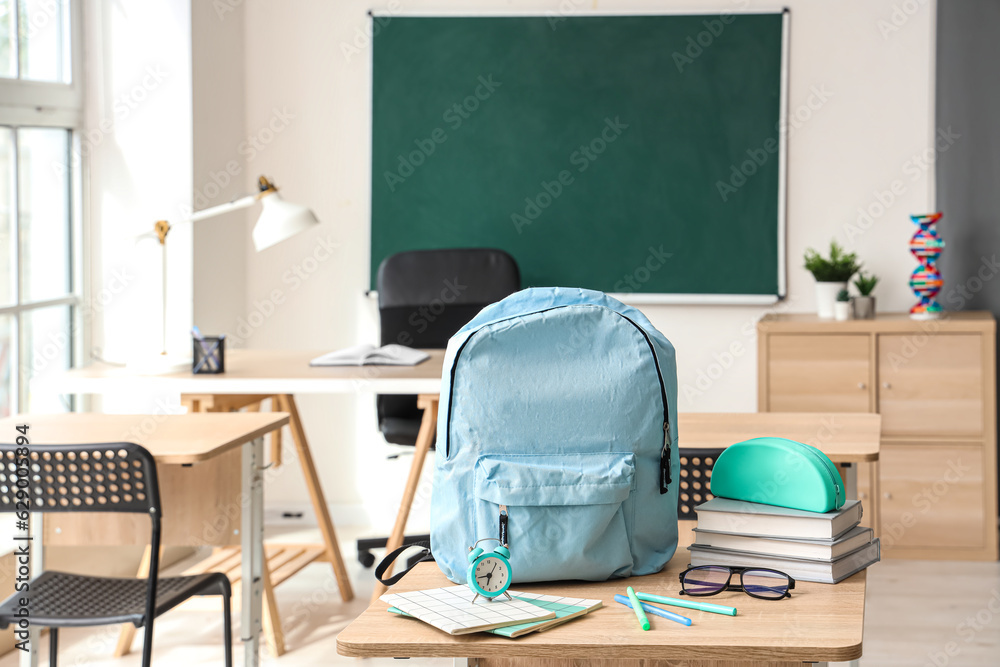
765	584
706	580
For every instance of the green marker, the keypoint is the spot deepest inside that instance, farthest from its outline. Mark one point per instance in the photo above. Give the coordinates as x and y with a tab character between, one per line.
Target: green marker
688	604
637	608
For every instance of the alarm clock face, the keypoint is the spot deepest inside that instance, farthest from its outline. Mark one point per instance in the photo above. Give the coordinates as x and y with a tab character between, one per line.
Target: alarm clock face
492	575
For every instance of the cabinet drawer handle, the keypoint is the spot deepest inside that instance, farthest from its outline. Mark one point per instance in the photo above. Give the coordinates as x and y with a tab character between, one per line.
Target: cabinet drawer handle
886	385
861	385
887	495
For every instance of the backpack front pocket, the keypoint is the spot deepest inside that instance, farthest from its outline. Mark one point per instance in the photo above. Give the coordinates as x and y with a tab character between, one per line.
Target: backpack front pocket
568	516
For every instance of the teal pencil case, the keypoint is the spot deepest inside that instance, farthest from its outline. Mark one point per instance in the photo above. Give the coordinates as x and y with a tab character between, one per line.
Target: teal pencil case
778	471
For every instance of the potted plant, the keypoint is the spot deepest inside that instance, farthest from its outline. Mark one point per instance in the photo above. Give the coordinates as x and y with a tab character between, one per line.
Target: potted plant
842	307
831	274
864	305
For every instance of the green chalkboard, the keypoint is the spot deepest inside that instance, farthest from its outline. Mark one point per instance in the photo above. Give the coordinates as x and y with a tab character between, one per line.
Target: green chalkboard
618	153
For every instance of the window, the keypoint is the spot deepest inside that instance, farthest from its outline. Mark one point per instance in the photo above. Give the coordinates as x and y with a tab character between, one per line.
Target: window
40	227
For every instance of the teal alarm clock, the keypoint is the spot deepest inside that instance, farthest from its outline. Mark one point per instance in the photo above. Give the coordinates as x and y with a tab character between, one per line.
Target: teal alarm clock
489	572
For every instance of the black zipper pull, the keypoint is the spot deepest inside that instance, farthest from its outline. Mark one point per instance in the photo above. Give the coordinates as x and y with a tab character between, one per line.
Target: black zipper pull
665	459
503	525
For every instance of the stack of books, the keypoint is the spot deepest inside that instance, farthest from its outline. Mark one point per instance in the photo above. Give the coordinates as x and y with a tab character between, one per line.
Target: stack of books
808	546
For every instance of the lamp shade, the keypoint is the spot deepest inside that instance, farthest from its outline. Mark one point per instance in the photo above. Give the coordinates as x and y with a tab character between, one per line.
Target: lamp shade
280	220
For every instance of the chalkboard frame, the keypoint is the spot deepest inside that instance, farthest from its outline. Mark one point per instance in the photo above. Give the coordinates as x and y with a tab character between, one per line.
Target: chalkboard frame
636	298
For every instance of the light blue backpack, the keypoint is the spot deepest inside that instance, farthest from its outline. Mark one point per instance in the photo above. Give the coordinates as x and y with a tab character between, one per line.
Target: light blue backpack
556	433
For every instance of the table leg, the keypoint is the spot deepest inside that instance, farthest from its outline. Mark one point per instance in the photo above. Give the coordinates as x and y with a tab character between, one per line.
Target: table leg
287	403
252	545
850	474
428	426
273	633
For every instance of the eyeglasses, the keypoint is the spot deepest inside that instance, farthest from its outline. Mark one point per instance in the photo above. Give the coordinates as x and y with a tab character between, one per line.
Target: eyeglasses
757	582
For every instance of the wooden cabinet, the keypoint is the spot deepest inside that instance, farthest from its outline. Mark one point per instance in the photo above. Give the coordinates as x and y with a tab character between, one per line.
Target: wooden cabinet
932	498
930	384
933	493
821	373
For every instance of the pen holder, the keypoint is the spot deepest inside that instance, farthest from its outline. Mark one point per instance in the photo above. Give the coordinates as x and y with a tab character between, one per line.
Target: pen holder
209	355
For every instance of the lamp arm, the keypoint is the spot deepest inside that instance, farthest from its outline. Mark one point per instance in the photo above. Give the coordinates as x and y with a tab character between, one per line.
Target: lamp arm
235	205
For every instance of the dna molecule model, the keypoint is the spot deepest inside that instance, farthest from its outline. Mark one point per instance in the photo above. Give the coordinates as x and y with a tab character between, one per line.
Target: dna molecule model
926	281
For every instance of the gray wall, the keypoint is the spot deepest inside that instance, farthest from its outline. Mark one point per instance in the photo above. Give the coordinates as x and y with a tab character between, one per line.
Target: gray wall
968	172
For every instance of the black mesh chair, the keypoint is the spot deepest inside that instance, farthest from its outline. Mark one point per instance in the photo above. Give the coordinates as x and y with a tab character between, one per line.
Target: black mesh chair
424	297
696	480
112	477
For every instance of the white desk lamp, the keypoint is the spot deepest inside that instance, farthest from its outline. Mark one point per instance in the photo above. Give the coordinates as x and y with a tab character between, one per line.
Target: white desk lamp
278	221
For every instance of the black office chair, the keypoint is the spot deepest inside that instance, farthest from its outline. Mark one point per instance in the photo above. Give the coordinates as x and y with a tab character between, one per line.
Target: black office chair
111	477
424	297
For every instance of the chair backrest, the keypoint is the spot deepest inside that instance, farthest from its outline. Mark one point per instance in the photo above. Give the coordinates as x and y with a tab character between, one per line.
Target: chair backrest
103	477
424	297
696	480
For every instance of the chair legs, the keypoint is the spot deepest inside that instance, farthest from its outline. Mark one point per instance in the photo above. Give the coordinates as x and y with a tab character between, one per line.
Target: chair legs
53	646
147	638
147	644
227	622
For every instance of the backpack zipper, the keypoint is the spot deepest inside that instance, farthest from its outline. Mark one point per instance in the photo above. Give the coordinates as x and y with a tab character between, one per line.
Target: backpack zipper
665	479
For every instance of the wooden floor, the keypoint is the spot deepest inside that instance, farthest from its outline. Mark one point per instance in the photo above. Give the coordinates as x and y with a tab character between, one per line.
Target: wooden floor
917	612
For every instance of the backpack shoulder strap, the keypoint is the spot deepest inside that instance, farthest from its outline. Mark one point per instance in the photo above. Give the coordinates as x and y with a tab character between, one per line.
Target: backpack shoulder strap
424	553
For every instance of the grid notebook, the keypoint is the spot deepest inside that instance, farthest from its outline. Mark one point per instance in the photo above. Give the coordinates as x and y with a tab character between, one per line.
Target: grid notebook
564	608
451	609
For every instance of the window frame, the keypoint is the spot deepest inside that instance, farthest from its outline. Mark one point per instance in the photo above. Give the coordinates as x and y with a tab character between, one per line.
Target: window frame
41	104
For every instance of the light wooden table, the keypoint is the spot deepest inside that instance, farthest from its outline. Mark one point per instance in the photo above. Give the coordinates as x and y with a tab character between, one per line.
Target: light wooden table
819	623
848	438
182	440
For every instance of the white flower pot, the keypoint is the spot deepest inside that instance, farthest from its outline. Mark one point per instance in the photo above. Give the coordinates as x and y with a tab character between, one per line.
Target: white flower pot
826	296
842	311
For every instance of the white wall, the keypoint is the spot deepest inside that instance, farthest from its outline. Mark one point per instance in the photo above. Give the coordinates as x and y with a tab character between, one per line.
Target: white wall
219	170
870	61
136	148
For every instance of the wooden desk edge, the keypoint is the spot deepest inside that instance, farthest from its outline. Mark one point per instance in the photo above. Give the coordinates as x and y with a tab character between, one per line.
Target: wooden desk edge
280	419
854	458
515	649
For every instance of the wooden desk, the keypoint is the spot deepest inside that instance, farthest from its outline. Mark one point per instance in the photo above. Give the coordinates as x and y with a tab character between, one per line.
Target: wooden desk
818	623
262	372
844	437
186	440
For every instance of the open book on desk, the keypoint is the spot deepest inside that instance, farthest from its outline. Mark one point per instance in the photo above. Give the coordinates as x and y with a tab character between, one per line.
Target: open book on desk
369	355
